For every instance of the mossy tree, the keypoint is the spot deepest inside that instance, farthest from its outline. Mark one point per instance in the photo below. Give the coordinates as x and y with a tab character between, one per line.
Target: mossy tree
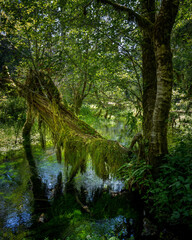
76	139
156	23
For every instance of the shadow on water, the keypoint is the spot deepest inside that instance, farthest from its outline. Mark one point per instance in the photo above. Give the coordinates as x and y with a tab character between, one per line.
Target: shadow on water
37	186
87	206
39	202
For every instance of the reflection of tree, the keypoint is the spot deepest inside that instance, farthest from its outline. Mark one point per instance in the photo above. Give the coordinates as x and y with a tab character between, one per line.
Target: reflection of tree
38	188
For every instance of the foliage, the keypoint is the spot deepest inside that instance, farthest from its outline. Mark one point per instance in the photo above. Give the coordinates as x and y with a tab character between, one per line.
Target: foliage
61	39
170	195
88	48
136	174
68	221
121	126
12	114
12	110
181	43
11	236
8	55
87	114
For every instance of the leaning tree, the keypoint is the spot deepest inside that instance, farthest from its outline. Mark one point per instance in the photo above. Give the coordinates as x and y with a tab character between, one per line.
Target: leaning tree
75	140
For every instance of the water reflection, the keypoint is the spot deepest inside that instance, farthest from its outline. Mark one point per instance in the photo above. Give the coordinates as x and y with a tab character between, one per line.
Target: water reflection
16	198
91	183
20	217
16	195
106	228
115	130
48	169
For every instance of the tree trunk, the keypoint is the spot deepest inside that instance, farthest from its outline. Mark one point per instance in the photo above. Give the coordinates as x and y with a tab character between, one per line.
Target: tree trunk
42	133
27	140
149	83
38	188
149	69
158	144
77	139
162	33
78	101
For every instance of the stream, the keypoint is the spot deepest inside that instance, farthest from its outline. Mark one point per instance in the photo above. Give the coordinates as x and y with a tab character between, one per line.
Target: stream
94	209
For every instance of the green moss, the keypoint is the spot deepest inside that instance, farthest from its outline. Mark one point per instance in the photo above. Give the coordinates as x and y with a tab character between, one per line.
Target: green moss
74	137
107	156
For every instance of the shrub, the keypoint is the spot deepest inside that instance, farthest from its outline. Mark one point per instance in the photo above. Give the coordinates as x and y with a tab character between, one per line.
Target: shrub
171	193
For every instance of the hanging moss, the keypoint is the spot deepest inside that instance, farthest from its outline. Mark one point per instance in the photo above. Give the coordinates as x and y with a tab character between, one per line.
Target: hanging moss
73	137
107	156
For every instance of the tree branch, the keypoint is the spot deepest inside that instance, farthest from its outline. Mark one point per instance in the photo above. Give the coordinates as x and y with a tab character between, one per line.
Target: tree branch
140	20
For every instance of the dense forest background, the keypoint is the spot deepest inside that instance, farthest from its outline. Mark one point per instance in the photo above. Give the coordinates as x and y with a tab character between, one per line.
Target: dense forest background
69	66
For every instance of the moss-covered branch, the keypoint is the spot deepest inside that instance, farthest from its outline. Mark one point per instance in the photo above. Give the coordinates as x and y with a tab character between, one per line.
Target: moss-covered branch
76	139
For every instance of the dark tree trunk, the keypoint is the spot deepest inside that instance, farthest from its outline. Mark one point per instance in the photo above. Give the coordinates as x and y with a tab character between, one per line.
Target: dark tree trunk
38	188
162	33
149	69
42	133
157	84
27	141
149	84
157	70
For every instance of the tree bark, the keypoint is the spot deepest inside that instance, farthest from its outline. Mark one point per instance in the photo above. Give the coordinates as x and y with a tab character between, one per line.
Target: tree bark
42	133
76	138
162	33
157	70
157	82
149	85
78	101
26	133
149	70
